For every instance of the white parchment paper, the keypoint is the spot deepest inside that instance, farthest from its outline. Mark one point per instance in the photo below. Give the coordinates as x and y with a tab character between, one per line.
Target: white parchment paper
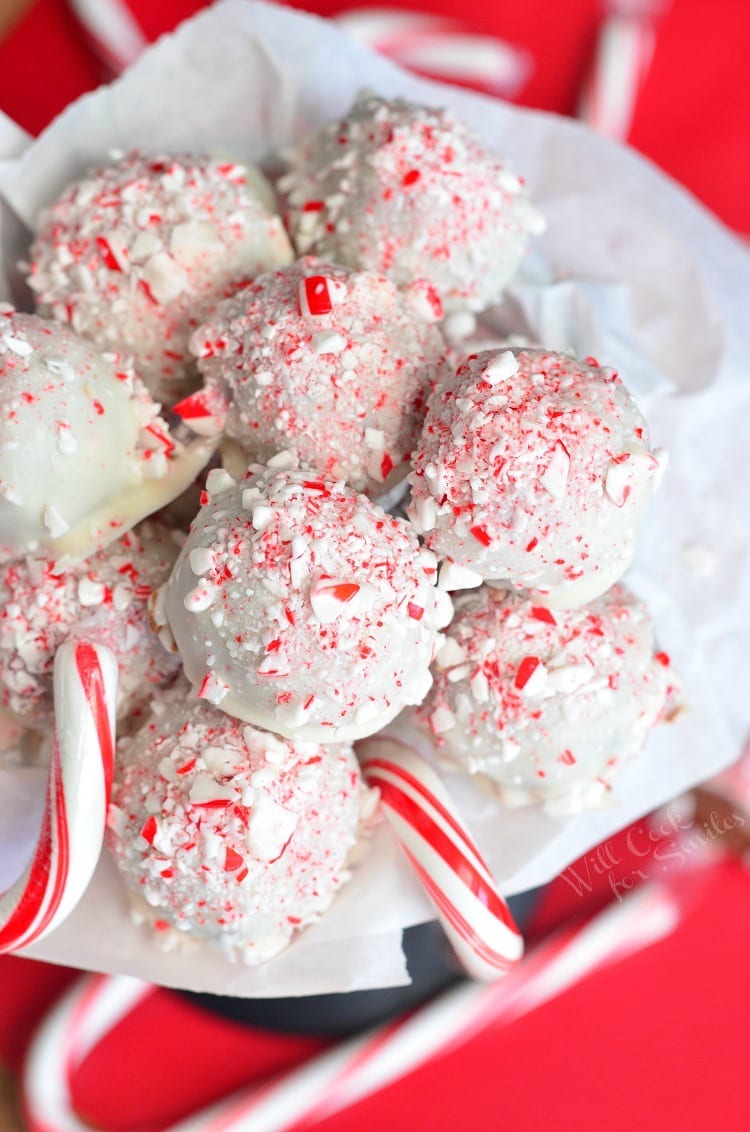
631	270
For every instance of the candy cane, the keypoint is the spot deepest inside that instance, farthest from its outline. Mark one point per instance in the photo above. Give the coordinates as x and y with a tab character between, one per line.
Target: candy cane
78	791
356	1068
622	59
453	872
111	31
444	49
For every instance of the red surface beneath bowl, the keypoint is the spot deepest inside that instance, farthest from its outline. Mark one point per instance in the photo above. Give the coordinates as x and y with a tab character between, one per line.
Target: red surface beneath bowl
657	1041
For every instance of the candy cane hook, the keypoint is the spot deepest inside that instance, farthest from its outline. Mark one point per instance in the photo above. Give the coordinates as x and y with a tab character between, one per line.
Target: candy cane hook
78	792
451	868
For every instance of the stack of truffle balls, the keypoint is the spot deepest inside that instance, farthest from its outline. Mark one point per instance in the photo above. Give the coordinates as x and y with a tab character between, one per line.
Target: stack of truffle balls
296	615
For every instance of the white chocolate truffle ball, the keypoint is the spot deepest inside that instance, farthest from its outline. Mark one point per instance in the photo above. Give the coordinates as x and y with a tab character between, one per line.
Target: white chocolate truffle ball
136	254
411	192
329	363
105	600
300	606
84	453
533	469
229	834
546	705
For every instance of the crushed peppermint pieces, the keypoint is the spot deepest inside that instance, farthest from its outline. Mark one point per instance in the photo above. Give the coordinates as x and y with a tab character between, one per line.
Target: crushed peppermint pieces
314	612
230	834
411	192
342	382
106	598
520	462
545	705
135	254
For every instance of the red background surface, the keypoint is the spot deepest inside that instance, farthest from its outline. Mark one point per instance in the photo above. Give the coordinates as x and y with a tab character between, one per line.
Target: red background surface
658	1042
692	118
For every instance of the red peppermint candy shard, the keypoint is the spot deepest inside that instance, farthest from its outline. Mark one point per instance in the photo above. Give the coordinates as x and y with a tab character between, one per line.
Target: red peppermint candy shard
108	256
481	535
526	670
539	613
148	833
415	611
162	438
314	296
148	292
328	598
204	412
344	591
232	861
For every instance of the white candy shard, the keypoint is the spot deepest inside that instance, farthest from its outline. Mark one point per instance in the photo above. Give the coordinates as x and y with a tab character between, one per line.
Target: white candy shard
455	577
555	478
271	827
501	368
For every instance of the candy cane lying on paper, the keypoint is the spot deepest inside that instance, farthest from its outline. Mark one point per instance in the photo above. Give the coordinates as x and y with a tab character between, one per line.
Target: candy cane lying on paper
419	809
356	1068
78	792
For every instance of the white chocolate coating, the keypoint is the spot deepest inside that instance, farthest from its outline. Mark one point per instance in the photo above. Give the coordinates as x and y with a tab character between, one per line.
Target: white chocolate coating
84	453
104	600
230	834
411	192
329	363
300	606
534	469
136	254
546	705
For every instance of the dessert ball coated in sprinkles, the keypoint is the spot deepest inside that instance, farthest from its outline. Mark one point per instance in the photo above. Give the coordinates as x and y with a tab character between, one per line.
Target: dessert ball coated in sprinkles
411	192
84	453
534	469
230	834
104	600
135	255
302	607
546	705
329	363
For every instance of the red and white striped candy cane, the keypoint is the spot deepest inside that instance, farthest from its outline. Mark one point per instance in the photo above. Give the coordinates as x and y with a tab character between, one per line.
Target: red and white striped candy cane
112	32
451	868
444	49
621	62
441	48
358	1067
78	793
